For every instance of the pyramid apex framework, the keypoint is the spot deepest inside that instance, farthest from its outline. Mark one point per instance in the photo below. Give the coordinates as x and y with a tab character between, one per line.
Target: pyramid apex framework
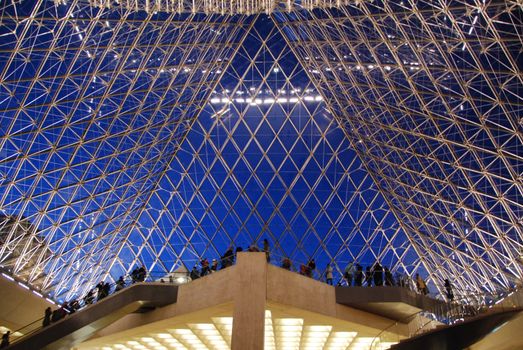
222	7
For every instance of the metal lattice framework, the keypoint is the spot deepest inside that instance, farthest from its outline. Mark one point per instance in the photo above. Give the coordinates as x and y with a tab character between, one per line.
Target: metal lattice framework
376	130
431	95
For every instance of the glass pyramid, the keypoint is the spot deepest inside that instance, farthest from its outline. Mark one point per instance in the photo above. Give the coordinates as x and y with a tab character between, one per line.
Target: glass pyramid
373	131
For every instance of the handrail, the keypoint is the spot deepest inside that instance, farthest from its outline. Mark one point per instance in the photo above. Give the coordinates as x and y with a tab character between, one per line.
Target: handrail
449	317
395	323
276	260
66	332
39	322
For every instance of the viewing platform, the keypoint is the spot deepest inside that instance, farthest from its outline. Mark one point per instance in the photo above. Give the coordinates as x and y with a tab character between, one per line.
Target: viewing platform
251	305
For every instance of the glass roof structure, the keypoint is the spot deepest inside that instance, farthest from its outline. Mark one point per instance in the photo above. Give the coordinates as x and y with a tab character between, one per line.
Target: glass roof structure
343	131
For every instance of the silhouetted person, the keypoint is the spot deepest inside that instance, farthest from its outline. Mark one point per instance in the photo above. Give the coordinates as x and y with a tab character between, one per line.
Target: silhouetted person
89	298
311	266
358	278
194	273
448	290
205	267
120	284
349	273
60	313
227	258
5	340
389	280
47	317
253	248
368	276
73	306
214	265
378	274
141	274
266	249
101	292
328	274
286	264
304	270
134	275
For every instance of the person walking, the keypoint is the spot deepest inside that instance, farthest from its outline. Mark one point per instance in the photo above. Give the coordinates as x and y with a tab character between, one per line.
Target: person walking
266	249
311	266
195	274
5	340
377	273
47	317
227	258
205	270
349	273
120	284
448	290
358	278
214	265
286	264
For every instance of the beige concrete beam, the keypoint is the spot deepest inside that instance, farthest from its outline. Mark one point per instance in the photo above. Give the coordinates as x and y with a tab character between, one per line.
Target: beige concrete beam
249	302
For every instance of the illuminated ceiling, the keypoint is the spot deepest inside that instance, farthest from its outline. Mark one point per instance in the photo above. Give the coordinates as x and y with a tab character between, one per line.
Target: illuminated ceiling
375	130
215	333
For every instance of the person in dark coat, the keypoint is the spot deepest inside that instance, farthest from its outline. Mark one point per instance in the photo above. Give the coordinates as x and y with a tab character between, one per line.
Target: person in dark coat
358	278
141	274
205	267
194	273
120	284
134	276
89	298
100	288
227	258
214	265
107	288
60	313
378	274
47	317
266	249
448	290
311	266
74	306
286	264
5	340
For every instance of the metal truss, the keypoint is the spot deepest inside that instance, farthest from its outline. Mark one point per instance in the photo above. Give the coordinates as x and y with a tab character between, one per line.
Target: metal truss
266	159
93	105
431	96
380	130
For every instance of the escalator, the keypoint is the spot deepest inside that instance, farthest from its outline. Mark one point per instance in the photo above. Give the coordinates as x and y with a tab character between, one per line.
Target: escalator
460	335
81	325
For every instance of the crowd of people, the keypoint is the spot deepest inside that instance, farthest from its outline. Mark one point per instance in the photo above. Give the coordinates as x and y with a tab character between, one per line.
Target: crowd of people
353	276
99	292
